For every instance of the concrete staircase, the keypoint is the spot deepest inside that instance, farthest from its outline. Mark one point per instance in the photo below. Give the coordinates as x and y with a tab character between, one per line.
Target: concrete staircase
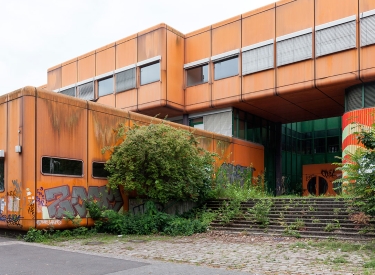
299	217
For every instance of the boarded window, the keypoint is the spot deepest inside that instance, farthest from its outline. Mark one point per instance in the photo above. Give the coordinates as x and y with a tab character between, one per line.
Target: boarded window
294	49
336	38
86	91
62	167
98	170
125	80
257	59
368	30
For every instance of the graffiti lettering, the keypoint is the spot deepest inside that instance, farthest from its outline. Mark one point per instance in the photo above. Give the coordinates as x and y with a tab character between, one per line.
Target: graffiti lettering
62	201
48	222
236	173
309	177
40	198
328	173
11	219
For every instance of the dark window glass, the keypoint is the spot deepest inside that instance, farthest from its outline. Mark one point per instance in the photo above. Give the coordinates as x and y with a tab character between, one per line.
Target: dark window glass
98	170
2	175
125	80
105	86
333	144
150	73
320	145
59	166
226	68
307	146
197	75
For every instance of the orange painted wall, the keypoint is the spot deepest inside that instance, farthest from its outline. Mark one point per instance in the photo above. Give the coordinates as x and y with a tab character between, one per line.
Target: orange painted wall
54	125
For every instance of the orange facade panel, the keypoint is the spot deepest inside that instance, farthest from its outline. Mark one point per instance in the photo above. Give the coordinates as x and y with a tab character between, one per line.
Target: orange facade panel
264	30
127	99
226	37
150	93
126	53
54	79
198	46
175	73
226	91
105	60
197	97
86	67
151	44
69	73
331	10
109	100
263	82
295	77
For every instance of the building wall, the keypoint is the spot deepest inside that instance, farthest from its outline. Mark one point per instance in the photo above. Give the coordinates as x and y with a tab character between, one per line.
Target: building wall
53	129
289	68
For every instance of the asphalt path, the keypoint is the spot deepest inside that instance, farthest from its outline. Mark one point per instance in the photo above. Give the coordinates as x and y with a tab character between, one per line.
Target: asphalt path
20	258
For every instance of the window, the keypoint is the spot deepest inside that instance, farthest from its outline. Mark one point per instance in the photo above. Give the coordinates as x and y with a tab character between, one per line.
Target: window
98	170
226	68
150	73
336	36
294	47
105	86
368	28
62	166
197	123
257	57
197	75
125	80
86	91
2	188
70	92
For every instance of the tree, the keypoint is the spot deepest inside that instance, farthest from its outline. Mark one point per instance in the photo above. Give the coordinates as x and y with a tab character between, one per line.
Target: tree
161	162
359	172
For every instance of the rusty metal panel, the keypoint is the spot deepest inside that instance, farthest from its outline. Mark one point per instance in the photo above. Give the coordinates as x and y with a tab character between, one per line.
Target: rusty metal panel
150	93
126	53
226	38
264	30
303	17
198	46
69	73
151	44
126	99
86	66
226	91
259	82
105	60
108	100
54	79
198	94
175	71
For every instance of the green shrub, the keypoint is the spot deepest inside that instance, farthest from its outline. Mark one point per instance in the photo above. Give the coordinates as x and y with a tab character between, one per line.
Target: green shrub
34	236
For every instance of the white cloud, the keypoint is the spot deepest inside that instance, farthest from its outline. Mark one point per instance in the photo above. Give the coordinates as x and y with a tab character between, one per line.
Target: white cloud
39	34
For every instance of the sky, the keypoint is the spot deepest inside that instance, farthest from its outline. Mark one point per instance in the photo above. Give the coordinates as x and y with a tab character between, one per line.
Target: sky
39	34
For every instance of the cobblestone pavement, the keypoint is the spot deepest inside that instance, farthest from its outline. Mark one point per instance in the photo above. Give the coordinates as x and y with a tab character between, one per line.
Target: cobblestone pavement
249	254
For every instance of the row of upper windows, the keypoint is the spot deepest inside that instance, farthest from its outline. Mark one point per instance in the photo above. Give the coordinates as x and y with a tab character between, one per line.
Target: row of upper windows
329	38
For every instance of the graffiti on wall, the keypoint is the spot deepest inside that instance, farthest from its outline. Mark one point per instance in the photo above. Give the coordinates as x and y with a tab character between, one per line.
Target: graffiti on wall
59	200
235	173
11	219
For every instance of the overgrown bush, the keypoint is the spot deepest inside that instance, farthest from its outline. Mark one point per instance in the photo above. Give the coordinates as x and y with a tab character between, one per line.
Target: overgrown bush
359	172
161	162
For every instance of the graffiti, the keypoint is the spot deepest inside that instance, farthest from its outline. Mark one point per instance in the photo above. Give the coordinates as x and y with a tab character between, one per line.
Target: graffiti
61	200
138	206
235	173
14	197
30	203
11	219
40	198
328	173
48	222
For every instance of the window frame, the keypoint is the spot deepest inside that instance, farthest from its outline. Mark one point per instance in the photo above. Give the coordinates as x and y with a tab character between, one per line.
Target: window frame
195	67
92	171
122	70
103	79
61	175
223	60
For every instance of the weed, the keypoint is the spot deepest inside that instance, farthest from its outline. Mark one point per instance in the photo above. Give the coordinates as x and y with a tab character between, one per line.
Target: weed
332	226
370	264
339	260
336	211
260	211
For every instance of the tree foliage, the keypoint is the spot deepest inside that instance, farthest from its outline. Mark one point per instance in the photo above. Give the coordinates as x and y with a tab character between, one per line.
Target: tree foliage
359	172
161	162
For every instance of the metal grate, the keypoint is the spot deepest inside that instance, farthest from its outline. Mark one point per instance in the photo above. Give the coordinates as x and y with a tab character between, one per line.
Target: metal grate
125	80
335	39
70	92
294	49
354	98
368	30
370	95
86	91
258	59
